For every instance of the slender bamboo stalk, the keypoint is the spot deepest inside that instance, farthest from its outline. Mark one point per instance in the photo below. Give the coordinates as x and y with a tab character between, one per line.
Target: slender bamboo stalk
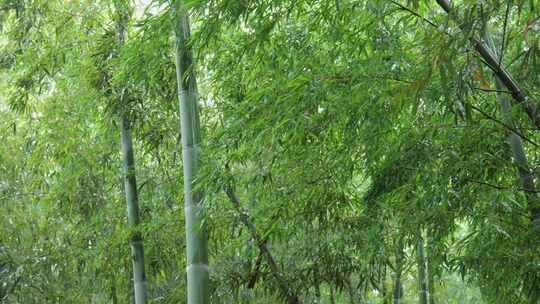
130	186
397	292
430	269
500	72
139	277
386	296
350	289
196	232
421	264
317	285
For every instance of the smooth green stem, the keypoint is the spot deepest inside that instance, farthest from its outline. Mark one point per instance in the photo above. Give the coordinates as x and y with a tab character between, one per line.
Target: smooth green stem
397	292
196	233
130	182
130	186
430	272
421	266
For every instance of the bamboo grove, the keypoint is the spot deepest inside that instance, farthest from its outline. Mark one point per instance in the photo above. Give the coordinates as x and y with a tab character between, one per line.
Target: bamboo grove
270	151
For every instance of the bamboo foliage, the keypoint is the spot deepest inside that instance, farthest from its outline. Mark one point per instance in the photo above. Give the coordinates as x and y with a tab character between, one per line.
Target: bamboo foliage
333	116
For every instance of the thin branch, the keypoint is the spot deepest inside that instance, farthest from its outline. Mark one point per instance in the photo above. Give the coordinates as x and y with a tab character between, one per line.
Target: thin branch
403	7
12	195
498	187
492	90
510	128
506	16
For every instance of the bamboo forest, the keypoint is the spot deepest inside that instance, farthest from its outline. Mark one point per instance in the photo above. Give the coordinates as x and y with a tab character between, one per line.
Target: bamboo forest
270	151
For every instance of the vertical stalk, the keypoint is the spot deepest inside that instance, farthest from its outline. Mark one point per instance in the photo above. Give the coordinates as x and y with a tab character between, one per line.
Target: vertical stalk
350	289
139	278
397	292
317	285
114	296
130	185
421	264
332	295
386	296
430	271
196	233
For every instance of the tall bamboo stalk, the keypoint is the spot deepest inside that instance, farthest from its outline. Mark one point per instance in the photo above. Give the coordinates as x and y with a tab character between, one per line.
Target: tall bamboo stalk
196	233
421	264
430	270
130	185
139	277
387	298
397	292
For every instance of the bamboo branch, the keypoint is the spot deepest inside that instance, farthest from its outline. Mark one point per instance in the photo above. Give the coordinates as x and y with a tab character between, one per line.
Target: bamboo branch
518	94
506	126
253	278
491	90
246	220
505	26
403	7
498	187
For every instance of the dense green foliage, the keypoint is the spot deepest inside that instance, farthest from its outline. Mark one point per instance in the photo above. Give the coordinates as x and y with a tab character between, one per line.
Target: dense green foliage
354	151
